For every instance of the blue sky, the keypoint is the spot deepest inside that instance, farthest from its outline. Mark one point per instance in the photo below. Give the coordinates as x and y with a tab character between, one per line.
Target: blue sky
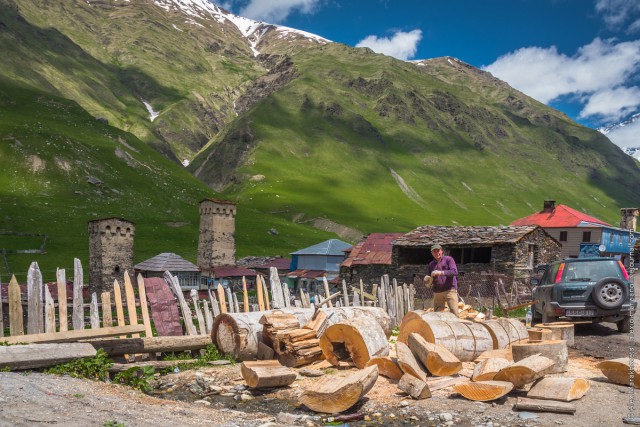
579	56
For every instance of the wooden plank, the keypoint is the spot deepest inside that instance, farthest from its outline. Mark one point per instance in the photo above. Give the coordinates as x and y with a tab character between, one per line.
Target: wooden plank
94	314
168	344
107	318
259	292
61	283
78	303
131	299
75	335
35	313
245	300
144	307
49	311
364	294
117	296
222	299
201	325
31	356
526	304
526	404
16	325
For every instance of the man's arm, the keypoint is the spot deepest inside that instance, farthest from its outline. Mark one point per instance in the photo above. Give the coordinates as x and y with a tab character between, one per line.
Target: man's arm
452	269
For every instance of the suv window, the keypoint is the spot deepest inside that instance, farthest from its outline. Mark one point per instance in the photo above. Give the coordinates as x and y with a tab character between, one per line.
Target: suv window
591	271
551	273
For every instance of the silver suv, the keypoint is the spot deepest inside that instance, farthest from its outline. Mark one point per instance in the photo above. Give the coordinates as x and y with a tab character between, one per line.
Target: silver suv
592	289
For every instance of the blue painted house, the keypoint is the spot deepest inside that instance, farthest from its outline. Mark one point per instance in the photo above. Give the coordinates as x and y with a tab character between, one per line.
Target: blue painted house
310	265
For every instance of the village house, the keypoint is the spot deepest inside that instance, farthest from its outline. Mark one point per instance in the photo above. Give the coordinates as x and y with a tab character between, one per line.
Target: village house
511	251
188	274
369	259
310	265
582	235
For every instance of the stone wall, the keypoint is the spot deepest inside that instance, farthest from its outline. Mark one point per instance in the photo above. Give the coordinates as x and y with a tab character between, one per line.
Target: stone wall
110	252
217	241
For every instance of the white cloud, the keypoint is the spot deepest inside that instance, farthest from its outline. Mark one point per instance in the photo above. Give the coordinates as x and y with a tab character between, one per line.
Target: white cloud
612	104
545	74
626	136
276	11
402	45
616	13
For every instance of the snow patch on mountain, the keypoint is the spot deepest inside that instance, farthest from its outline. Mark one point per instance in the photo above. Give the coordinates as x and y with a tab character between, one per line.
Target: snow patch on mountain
625	135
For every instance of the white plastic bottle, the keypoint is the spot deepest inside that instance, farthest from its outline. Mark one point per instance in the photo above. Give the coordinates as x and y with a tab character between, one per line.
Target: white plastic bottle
528	318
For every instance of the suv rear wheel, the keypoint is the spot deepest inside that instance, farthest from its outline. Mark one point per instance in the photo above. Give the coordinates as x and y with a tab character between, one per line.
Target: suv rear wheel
609	293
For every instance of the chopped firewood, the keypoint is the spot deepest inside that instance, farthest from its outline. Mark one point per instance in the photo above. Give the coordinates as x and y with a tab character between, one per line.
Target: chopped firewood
408	362
333	395
266	373
540	334
554	350
483	390
559	388
358	339
487	369
504	353
444	382
617	371
277	322
387	366
525	371
414	387
560	331
527	404
438	360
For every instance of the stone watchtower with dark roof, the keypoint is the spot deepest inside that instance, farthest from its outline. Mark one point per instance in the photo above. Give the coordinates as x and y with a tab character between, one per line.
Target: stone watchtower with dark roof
217	242
110	252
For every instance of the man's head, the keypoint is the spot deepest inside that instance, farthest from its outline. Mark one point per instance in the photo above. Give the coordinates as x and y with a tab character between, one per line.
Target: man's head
436	252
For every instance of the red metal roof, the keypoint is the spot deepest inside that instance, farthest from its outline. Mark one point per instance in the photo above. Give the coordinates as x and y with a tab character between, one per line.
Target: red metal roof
233	271
306	274
278	263
561	216
376	249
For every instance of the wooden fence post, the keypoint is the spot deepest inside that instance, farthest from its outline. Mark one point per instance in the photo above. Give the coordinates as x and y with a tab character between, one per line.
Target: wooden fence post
78	302
16	325
35	312
61	282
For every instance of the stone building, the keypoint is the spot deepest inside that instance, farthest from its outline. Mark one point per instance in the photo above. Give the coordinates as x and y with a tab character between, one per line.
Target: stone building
369	259
512	251
110	252
216	244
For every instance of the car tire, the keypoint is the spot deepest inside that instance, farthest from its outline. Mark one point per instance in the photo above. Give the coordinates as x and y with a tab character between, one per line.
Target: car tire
624	325
609	293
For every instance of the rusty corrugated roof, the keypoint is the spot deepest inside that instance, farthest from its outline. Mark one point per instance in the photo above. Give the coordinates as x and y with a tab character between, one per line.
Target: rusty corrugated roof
376	249
463	235
306	274
561	216
233	271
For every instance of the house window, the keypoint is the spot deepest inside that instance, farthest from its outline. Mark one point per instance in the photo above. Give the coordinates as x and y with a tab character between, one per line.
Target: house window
531	250
481	255
563	236
586	236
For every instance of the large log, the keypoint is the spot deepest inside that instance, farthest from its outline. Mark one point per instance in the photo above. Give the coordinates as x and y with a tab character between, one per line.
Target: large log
31	356
515	328
559	388
339	314
75	335
525	371
482	339
617	371
361	337
526	404
387	366
487	369
333	395
414	321
414	387
170	344
408	362
560	331
500	336
504	353
438	360
554	350
483	390
266	373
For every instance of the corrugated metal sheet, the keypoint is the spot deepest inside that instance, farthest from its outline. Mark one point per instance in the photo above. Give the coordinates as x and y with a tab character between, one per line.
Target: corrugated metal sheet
166	261
376	249
328	247
561	216
233	271
451	236
278	263
306	274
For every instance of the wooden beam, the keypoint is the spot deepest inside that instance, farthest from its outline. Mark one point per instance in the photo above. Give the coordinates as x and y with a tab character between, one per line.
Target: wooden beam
526	304
170	344
526	404
33	356
75	335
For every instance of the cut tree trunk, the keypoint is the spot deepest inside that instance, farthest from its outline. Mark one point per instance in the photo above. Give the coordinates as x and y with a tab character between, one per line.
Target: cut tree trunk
525	371
504	353
414	321
515	328
169	344
335	315
487	369
559	388
554	350
560	331
526	404
32	356
266	373
483	390
387	366
333	395
617	370
500	336
438	360
414	387
358	339
540	334
408	362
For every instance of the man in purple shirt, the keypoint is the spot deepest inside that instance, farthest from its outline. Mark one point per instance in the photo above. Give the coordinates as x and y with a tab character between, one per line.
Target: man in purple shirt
444	272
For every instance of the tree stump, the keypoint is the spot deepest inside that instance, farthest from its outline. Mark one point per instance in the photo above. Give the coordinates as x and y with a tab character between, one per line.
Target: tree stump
487	369
483	390
540	334
560	331
333	395
358	339
617	371
266	373
438	360
554	350
559	388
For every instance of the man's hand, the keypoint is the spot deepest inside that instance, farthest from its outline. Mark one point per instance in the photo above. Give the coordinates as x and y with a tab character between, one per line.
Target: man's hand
436	273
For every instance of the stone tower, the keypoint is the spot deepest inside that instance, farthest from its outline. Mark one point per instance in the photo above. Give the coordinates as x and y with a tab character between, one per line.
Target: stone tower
110	252
629	218
217	242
